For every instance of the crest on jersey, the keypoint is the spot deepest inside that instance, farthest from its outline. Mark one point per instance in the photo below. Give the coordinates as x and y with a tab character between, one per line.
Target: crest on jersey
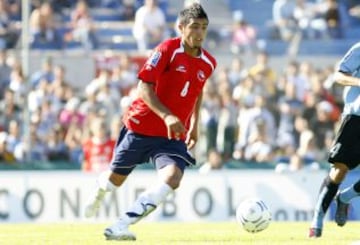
154	59
201	75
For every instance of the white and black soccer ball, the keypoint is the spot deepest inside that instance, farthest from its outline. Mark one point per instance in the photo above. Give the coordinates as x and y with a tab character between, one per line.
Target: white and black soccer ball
253	215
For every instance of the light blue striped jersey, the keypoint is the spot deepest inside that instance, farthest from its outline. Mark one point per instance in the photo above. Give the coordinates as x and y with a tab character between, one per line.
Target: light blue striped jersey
350	64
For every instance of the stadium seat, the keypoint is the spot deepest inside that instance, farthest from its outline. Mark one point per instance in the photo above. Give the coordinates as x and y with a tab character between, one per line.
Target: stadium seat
275	47
325	47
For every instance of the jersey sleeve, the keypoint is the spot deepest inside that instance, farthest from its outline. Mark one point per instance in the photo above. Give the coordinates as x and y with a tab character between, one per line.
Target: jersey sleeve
350	62
155	64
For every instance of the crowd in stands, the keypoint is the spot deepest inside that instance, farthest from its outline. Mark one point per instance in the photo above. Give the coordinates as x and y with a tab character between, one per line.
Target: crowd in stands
291	21
250	113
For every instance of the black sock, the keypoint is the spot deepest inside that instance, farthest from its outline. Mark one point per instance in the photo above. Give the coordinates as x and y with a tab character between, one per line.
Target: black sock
329	188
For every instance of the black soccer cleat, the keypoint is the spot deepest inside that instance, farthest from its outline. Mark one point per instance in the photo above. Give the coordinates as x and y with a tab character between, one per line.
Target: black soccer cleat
342	210
315	232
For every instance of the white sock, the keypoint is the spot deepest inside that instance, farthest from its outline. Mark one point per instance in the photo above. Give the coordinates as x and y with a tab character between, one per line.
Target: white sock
104	183
146	203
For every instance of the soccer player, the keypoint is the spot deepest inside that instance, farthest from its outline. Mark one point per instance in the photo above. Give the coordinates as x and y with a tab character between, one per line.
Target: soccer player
161	125
345	152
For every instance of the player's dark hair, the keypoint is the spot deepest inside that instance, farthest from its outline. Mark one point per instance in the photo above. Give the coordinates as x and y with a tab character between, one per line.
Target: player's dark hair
194	11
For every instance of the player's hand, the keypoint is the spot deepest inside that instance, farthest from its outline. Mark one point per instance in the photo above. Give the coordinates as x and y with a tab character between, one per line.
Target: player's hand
191	139
175	128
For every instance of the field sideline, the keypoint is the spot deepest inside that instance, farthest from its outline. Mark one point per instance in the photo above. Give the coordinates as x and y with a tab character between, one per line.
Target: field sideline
177	233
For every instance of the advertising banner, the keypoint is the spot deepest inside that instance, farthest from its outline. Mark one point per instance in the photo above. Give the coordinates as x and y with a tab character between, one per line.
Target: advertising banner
56	196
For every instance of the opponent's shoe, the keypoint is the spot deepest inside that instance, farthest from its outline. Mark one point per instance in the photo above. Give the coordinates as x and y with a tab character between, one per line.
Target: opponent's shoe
93	203
342	209
119	231
315	232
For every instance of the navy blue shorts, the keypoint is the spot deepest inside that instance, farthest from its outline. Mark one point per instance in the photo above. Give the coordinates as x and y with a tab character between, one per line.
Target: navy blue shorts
132	149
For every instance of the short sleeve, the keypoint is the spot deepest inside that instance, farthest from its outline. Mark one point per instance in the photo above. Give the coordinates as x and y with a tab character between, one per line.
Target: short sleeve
155	65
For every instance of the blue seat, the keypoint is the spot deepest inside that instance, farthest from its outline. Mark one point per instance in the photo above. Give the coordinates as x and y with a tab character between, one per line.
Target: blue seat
352	33
124	31
124	46
276	47
325	47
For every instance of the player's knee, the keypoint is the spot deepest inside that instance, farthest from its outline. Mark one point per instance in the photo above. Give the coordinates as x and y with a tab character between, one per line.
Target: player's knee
173	181
171	176
338	172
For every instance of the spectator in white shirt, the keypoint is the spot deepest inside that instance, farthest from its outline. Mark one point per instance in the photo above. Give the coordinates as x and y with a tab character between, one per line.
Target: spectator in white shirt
150	25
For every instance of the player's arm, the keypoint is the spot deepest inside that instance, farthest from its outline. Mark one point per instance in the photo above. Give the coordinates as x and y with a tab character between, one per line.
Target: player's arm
174	125
346	79
192	136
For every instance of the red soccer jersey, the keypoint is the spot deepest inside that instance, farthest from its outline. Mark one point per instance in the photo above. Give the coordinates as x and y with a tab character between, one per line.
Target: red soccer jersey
178	78
97	155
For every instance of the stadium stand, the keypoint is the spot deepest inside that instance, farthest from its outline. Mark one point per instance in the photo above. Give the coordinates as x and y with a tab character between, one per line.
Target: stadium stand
116	39
262	22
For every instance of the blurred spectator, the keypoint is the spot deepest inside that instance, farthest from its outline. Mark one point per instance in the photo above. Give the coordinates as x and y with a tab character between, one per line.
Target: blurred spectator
14	135
59	89
213	162
293	76
74	141
304	14
18	85
333	19
43	26
354	11
82	27
323	122
259	145
45	73
289	107
56	147
307	153
237	71
98	149
5	71
285	25
14	9
319	19
243	35
8	33
71	114
124	76
150	26
6	156
256	125
227	125
31	149
210	114
128	10
264	76
9	110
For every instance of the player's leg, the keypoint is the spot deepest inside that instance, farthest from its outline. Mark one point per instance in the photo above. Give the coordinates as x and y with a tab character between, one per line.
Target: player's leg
148	201
107	181
343	155
343	199
351	157
327	193
170	163
127	153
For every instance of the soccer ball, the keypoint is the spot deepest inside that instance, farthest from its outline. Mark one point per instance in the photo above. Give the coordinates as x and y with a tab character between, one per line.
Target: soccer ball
253	215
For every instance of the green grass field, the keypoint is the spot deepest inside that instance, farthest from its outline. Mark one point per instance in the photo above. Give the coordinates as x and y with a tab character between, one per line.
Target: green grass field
177	233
